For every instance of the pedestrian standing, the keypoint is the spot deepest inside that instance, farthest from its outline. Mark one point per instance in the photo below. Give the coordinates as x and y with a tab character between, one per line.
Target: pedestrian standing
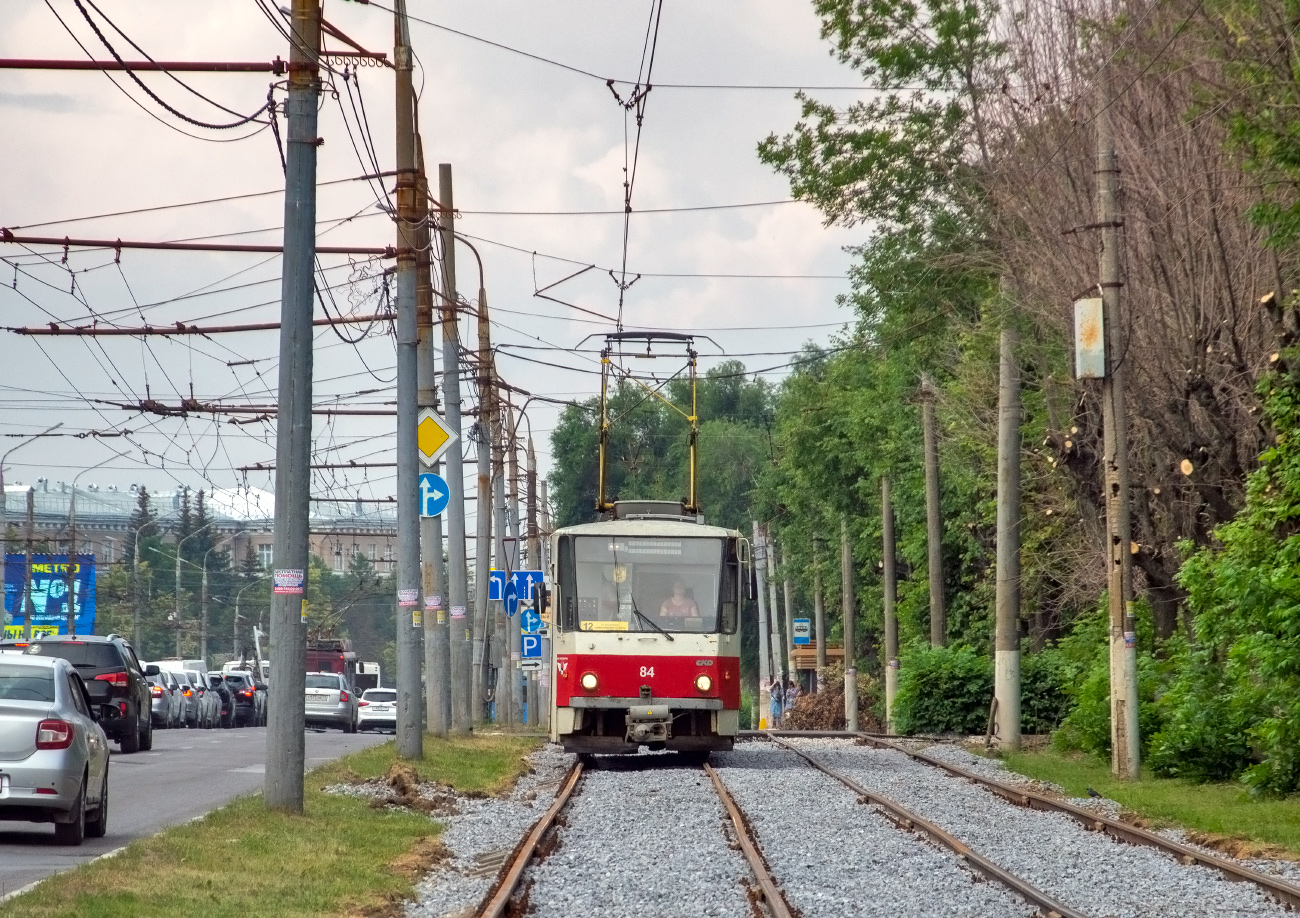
778	698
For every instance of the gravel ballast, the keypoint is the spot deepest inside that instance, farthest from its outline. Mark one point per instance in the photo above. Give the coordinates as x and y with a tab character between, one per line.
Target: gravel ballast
833	857
645	841
1086	870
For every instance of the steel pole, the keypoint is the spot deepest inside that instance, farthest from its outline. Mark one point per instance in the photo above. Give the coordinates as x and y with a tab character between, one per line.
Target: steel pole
285	742
410	722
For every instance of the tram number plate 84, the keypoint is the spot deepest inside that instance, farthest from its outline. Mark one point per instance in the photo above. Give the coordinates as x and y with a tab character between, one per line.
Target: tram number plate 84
647	671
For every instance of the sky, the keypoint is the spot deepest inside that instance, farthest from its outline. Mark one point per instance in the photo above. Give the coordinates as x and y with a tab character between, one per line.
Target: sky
522	135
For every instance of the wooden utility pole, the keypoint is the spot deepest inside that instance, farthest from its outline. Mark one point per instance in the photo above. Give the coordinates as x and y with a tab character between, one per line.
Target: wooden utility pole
1125	750
846	607
1006	677
285	736
933	518
890	577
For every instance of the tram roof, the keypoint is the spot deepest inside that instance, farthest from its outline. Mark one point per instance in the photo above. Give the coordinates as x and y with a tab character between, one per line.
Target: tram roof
642	527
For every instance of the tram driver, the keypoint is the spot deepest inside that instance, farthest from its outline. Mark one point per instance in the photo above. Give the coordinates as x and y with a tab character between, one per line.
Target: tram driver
679	605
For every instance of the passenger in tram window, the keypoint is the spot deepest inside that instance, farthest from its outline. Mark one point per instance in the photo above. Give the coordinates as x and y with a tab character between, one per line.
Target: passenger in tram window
679	605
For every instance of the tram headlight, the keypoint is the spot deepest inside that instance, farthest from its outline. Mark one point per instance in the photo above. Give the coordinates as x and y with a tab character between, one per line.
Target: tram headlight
703	682
589	681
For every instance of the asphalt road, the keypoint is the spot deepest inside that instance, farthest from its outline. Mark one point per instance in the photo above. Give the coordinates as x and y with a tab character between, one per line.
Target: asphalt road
188	773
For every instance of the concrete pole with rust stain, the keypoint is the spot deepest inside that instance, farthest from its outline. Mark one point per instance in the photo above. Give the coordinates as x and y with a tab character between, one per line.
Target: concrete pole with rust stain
764	659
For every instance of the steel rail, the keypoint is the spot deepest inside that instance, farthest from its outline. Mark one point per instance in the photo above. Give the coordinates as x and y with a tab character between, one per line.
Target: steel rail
1286	893
496	904
771	892
905	818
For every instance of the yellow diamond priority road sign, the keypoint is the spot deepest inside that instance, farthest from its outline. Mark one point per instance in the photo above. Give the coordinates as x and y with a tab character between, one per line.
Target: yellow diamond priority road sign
433	436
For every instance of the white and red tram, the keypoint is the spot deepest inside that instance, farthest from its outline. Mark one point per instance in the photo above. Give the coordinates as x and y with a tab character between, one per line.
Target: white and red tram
645	631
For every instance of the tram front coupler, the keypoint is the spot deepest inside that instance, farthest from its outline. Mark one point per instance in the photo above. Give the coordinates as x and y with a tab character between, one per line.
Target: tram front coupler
649	723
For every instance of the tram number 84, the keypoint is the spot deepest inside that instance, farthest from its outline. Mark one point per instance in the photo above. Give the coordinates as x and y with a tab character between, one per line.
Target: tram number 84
647	671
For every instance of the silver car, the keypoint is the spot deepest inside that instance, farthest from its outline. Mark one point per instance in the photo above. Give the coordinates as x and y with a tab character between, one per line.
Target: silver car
53	755
167	705
209	705
330	701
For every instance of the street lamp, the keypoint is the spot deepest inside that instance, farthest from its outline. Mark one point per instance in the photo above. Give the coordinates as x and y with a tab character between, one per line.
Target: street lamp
136	635
72	546
179	543
4	506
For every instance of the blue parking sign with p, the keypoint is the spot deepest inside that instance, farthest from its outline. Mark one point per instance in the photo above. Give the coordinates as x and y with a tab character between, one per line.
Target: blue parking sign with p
531	646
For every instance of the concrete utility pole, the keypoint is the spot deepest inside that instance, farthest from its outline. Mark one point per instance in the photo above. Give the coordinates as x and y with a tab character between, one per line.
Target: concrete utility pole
505	694
890	577
774	614
4	503
410	628
764	673
510	444
789	614
437	650
73	555
483	511
544	682
846	606
1006	678
1125	750
285	740
28	608
203	604
176	615
460	634
933	520
819	619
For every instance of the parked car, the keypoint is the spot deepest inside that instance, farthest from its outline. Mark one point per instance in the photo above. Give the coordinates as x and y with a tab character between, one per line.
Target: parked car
225	698
167	705
209	707
331	701
53	753
377	708
250	699
115	681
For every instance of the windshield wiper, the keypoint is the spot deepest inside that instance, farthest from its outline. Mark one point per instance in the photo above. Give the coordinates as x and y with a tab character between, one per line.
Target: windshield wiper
641	615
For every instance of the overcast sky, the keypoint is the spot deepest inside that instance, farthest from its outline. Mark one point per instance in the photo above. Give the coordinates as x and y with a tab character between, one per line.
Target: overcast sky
522	135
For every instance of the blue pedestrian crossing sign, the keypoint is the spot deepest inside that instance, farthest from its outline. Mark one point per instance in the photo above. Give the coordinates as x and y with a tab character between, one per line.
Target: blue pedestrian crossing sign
433	495
496	585
530	622
524	582
531	646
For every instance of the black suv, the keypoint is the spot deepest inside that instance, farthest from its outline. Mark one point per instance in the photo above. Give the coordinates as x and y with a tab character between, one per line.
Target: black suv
114	680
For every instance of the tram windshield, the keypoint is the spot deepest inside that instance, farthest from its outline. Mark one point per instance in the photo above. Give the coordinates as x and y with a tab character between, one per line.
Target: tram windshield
648	583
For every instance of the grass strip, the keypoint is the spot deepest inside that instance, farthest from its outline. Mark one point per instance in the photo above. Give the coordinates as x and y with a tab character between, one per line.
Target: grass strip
341	857
1224	816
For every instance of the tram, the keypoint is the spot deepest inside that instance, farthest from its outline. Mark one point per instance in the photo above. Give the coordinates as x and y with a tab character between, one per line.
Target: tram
645	610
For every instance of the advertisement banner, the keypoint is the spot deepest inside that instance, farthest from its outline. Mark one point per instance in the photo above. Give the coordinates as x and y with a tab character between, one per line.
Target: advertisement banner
49	597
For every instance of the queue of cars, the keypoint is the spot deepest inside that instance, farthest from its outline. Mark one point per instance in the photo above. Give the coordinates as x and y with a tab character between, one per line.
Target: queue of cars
64	699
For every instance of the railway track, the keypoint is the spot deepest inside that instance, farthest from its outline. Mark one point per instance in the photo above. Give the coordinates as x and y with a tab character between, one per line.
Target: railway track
1285	893
510	896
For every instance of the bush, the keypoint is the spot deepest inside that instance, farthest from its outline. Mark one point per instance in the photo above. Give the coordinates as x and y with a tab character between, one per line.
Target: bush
943	690
1045	700
1087	728
1207	733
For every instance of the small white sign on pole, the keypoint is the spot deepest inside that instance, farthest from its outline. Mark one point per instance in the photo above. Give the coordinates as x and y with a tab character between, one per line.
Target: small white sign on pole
1089	339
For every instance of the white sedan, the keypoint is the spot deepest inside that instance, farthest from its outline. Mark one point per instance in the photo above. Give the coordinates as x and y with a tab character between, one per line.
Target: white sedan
378	708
